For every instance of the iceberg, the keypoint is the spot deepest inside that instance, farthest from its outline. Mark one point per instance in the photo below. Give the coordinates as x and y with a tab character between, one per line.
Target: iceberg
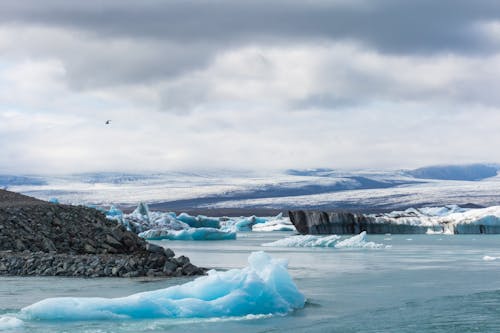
200	221
241	223
277	223
263	287
188	234
358	241
254	223
305	241
54	201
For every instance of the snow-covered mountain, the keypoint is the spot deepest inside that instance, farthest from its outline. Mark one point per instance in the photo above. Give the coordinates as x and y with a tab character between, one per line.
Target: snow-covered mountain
364	190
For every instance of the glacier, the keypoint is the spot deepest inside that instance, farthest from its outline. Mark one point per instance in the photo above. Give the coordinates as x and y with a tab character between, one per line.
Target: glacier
263	287
333	241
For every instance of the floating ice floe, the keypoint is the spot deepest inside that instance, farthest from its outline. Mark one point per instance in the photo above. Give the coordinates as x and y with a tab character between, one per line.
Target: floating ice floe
10	323
264	287
305	241
358	241
488	258
188	234
199	221
277	223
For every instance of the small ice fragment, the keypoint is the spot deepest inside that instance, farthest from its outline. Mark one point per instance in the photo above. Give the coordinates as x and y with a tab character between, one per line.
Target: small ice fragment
9	323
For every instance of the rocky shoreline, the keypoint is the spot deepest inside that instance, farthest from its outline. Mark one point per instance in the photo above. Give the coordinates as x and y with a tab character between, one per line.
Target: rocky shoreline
41	238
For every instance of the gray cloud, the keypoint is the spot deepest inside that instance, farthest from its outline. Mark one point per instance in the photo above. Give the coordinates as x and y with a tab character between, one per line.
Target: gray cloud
387	25
247	83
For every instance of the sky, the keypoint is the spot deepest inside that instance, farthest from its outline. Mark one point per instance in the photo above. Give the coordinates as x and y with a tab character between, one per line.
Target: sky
247	85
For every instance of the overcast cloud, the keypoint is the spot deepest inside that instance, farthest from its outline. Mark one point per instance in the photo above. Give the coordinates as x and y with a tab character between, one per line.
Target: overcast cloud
247	84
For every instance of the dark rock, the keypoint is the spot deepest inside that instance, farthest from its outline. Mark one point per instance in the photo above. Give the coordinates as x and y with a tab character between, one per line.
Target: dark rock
38	238
155	248
169	253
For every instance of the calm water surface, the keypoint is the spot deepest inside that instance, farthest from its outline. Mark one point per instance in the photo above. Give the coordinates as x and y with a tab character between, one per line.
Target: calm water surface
422	283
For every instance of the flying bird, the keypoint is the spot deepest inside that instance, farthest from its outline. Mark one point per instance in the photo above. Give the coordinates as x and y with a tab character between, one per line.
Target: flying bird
108	122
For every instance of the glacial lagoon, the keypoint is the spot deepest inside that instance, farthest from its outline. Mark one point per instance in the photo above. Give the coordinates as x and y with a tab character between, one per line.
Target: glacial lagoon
424	283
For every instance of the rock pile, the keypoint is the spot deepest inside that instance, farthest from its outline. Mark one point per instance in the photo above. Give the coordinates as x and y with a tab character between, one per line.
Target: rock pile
40	238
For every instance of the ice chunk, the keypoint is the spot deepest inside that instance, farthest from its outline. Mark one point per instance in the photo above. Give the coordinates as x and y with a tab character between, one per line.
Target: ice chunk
113	211
54	201
9	323
264	287
141	212
305	241
200	221
358	241
488	258
188	234
277	223
431	231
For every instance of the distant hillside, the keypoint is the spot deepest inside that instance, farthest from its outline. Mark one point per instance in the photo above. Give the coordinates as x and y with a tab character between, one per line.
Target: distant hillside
471	172
9	180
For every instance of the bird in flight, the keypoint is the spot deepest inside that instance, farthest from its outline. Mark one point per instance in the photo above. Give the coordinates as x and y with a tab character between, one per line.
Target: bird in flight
108	122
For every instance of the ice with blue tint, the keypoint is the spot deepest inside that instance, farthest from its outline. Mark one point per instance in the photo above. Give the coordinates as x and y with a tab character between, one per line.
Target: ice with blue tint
113	211
199	221
263	287
334	241
188	234
254	223
54	200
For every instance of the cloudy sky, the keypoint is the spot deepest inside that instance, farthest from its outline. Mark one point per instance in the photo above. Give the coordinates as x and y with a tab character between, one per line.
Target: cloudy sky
224	84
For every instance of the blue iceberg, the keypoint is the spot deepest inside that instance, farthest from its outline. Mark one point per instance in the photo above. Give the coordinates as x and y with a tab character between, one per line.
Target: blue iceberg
264	287
188	234
200	221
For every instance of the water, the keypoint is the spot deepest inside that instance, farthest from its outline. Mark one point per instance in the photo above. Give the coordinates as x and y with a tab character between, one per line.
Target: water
424	283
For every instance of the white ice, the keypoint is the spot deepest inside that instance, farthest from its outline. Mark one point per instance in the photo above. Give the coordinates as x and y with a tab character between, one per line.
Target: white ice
305	241
263	287
358	241
9	323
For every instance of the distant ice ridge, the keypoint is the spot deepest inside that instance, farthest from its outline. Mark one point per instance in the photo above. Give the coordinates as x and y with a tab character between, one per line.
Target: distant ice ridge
358	241
447	220
263	287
